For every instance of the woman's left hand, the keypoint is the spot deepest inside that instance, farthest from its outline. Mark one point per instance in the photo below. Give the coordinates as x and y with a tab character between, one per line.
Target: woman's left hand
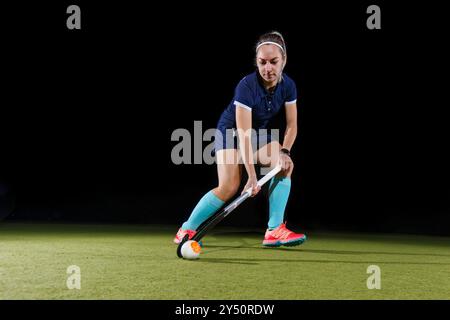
285	162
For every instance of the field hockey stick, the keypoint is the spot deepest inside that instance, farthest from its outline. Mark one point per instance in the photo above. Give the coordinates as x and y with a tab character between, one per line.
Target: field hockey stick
211	223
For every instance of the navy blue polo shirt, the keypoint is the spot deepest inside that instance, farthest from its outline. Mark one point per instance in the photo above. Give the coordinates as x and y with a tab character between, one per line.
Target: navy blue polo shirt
251	95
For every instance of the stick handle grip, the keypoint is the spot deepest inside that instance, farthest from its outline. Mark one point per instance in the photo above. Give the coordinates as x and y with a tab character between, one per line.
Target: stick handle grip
266	178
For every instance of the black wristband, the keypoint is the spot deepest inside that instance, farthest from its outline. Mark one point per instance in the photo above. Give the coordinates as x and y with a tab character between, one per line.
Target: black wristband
285	151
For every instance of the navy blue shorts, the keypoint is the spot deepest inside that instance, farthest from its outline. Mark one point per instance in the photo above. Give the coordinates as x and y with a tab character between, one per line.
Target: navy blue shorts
228	139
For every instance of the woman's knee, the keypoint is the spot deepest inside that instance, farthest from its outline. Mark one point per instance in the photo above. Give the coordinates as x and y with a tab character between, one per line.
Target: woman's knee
288	172
226	191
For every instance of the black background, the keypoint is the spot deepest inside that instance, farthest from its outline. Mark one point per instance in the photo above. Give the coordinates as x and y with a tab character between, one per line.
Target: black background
87	115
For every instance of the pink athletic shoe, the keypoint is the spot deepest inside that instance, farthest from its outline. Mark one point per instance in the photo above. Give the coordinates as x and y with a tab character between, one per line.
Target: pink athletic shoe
282	236
181	233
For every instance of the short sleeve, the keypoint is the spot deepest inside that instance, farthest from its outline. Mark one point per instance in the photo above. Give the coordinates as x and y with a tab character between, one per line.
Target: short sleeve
291	92
243	96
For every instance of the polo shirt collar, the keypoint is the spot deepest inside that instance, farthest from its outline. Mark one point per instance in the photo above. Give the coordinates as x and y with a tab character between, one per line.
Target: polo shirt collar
261	84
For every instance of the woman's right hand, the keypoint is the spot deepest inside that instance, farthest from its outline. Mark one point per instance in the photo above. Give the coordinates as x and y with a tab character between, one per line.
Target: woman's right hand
252	182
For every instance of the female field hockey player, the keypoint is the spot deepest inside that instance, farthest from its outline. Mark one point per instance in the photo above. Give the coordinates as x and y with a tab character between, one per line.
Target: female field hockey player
258	97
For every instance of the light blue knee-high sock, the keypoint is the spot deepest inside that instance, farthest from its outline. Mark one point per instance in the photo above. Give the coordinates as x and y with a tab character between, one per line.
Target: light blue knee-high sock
279	190
204	209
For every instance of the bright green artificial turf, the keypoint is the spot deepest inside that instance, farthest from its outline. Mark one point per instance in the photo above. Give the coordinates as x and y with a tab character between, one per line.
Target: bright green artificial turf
139	262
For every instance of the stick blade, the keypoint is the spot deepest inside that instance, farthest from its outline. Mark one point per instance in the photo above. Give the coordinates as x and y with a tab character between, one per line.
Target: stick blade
185	238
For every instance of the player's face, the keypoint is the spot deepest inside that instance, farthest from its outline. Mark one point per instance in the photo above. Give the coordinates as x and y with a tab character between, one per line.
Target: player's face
270	63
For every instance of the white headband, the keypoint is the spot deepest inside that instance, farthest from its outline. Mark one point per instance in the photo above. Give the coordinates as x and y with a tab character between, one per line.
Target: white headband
269	42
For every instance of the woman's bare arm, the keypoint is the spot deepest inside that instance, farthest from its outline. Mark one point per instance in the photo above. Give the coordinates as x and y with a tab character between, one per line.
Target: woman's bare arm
244	126
291	126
